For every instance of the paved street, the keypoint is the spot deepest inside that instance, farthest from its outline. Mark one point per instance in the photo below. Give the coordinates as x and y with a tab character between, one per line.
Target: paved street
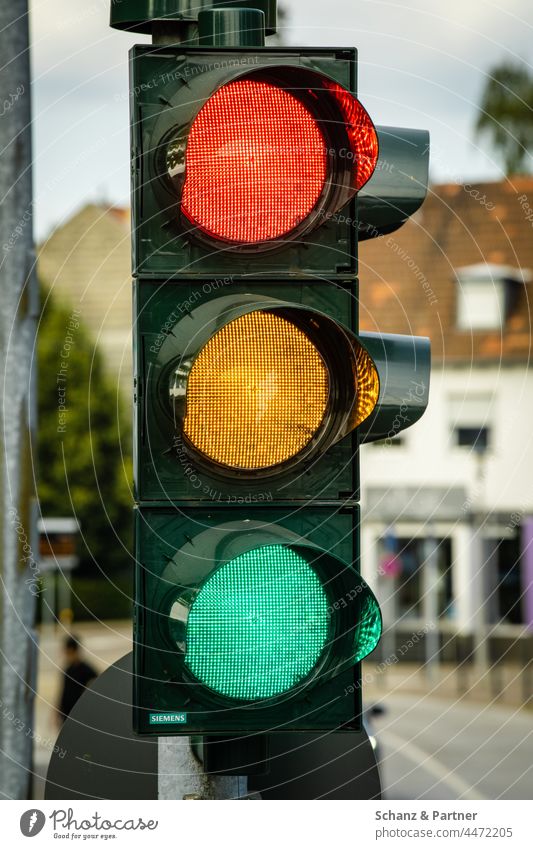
448	749
432	747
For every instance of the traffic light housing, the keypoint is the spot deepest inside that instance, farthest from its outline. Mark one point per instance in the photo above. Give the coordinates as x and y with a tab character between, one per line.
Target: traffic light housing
251	624
219	378
254	173
203	203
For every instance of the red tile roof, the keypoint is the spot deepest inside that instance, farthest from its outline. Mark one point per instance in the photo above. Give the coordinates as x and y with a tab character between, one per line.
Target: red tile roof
408	282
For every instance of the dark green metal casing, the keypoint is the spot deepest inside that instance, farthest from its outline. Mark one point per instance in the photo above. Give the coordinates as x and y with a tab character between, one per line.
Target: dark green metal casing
163	467
166	314
169	85
141	15
175	276
159	685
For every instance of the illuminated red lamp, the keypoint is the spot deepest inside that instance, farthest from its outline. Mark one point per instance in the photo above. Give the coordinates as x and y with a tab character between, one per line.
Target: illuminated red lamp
256	163
361	133
265	161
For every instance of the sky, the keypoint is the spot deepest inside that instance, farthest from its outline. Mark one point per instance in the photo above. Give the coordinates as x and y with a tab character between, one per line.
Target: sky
422	64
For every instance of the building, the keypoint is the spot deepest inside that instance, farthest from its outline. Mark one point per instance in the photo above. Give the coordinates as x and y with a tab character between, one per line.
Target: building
449	504
86	263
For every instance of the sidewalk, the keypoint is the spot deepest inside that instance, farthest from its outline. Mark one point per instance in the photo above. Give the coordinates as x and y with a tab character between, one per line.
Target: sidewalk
508	684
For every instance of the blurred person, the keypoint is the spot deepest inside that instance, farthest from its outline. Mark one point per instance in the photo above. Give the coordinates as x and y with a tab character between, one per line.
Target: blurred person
77	674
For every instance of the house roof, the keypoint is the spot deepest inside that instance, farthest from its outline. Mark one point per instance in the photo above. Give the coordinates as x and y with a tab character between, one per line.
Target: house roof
408	280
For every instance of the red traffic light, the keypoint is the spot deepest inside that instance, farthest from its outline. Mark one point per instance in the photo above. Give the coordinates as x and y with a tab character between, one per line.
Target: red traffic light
264	161
256	163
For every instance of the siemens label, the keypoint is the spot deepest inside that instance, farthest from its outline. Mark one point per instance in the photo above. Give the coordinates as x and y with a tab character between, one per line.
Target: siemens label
167	718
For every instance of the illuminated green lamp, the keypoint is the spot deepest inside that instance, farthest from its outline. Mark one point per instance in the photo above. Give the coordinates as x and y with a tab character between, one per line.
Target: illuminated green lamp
270	622
259	625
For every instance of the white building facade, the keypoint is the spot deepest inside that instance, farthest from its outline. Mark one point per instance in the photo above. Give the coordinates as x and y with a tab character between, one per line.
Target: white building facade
459	483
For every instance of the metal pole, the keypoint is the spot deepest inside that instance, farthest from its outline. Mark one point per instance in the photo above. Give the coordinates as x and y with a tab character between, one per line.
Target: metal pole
181	775
18	309
431	606
480	567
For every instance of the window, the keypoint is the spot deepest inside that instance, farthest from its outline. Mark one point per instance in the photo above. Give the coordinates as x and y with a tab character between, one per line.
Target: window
481	305
410	557
509	592
470	420
473	437
486	295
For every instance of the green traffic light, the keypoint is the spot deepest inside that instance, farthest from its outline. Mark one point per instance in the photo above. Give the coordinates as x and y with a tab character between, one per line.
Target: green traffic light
246	626
258	625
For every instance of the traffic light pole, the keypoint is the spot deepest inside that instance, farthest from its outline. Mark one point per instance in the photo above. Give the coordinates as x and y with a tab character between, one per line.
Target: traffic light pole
181	774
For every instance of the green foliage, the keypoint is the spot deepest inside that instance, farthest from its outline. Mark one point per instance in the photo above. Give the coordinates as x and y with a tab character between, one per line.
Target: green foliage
84	441
506	115
92	599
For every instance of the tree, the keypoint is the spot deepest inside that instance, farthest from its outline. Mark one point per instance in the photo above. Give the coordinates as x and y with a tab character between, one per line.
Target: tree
506	115
84	441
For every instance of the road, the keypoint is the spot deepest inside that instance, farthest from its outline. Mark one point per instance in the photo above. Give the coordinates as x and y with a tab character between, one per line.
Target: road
448	749
431	748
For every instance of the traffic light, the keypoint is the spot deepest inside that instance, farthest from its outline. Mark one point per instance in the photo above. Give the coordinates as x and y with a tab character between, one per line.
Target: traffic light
246	155
254	173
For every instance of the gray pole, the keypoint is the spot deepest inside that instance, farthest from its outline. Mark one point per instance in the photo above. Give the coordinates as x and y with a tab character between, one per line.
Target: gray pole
18	308
181	776
430	606
480	566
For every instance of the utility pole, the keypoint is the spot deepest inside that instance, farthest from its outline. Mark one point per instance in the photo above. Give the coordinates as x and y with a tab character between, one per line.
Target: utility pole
18	311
